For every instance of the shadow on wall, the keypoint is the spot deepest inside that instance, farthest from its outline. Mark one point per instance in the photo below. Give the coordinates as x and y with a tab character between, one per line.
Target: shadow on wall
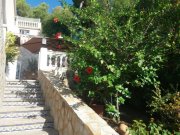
32	69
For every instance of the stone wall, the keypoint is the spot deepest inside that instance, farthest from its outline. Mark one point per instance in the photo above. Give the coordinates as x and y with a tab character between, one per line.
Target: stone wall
71	115
2	55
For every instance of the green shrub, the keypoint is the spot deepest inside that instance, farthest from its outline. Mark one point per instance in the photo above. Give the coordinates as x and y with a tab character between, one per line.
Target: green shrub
140	128
124	47
167	109
112	112
11	48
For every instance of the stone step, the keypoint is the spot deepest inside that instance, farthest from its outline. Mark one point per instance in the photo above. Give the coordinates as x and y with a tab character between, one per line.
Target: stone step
26	95
25	99
20	112
22	124
23	111
22	86
25	108
22	82
12	103
22	89
22	92
32	132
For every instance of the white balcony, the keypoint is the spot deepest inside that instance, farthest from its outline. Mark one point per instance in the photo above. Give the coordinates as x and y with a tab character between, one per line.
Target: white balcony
28	23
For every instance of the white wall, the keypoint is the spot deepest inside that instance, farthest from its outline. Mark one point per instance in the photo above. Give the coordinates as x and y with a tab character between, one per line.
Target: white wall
11	70
23	61
10	15
24	39
34	32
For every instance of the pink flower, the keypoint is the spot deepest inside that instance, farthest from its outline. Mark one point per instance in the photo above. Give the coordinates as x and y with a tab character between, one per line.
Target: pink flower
76	78
56	20
89	70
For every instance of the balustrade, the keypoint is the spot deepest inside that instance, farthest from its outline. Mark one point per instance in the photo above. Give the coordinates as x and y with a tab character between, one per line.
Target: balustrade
53	61
28	22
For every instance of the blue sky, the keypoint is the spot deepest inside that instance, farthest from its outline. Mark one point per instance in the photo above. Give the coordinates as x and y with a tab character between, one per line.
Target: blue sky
52	3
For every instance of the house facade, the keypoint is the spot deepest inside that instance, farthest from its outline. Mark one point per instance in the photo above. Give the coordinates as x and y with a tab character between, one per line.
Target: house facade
22	27
26	28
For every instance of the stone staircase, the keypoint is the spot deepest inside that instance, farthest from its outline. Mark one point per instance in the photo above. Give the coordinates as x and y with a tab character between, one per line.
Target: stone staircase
23	110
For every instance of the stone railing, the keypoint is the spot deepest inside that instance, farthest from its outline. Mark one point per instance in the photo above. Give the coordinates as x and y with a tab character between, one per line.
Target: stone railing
71	115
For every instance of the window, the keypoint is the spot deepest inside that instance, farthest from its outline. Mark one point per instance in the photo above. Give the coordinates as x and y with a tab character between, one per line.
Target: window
24	32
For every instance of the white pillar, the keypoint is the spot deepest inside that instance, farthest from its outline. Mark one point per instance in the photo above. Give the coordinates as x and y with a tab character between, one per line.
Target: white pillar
43	59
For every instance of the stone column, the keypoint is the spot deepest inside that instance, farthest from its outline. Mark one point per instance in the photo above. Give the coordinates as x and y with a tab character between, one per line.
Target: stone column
2	54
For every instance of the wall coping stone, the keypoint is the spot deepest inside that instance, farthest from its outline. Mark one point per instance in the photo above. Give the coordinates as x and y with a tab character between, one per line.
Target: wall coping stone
91	121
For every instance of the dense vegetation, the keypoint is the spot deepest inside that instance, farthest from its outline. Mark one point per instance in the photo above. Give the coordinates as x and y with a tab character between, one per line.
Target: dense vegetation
124	53
128	52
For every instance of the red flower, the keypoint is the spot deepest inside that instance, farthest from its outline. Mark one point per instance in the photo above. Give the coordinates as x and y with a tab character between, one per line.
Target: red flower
89	70
56	20
76	78
58	46
58	35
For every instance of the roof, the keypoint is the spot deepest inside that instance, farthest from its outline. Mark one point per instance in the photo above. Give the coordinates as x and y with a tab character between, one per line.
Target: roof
34	45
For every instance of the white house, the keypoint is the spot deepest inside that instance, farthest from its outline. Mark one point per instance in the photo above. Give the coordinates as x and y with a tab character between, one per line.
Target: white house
22	27
27	28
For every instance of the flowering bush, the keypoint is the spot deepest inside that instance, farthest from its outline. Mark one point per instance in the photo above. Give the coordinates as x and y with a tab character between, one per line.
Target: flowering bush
108	53
115	50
